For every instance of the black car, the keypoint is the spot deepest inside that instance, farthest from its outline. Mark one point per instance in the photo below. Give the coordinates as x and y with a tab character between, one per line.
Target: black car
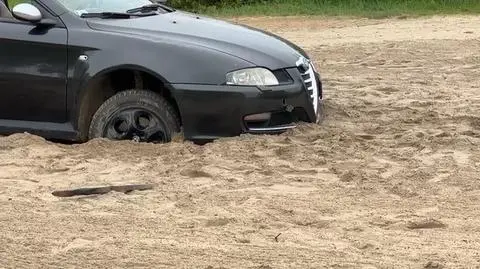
138	69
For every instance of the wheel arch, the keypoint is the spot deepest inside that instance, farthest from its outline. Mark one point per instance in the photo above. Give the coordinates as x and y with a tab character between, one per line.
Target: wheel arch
109	81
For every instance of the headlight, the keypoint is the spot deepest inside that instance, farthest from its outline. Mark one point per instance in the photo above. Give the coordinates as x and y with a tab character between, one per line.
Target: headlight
252	76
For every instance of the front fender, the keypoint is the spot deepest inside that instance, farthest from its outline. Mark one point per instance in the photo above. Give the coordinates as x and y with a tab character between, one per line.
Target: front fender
103	52
175	63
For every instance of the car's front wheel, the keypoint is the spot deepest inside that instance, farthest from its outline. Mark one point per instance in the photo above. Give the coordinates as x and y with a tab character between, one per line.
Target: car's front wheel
138	115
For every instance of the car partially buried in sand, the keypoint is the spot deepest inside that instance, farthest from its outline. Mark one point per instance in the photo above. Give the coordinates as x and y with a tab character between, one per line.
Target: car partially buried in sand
138	69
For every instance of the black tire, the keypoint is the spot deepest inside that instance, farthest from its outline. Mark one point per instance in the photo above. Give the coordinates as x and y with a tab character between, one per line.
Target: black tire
129	107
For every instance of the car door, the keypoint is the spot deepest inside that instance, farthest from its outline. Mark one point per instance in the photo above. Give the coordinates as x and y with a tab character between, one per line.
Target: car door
33	69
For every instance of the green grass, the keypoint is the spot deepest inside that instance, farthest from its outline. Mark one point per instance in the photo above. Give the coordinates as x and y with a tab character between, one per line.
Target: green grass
12	3
363	8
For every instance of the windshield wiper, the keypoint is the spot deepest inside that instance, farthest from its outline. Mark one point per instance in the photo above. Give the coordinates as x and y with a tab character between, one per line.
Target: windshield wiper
114	15
150	7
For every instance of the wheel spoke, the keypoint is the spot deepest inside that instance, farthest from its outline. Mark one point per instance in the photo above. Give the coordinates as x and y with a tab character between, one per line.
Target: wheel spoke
131	117
154	131
112	133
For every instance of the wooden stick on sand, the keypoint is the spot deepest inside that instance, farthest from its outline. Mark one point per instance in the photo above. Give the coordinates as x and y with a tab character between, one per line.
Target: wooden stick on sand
103	190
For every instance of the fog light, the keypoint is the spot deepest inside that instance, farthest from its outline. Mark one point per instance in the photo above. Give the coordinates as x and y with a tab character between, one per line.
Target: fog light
258	117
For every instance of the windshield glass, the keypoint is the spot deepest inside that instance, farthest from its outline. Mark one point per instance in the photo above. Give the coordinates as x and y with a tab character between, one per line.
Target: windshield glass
97	6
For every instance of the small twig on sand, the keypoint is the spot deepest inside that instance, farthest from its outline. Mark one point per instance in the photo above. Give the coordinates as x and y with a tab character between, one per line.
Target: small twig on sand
276	237
102	190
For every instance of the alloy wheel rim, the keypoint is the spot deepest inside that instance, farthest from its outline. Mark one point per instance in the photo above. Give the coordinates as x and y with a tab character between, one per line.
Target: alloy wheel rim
135	124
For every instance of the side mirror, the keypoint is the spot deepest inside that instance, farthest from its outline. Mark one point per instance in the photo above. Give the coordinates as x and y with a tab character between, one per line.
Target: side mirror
27	12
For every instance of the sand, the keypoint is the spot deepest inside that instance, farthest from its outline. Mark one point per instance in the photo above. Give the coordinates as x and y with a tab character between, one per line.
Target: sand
390	179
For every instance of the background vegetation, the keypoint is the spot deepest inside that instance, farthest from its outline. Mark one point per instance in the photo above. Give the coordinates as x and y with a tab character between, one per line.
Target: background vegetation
368	8
365	8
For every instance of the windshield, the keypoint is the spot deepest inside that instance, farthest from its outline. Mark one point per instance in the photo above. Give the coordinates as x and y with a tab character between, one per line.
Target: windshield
97	6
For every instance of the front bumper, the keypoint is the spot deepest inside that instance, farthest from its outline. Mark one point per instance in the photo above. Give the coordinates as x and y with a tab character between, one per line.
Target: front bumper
212	111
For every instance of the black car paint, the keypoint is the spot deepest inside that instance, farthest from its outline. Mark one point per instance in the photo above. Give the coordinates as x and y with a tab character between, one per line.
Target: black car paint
32	69
42	80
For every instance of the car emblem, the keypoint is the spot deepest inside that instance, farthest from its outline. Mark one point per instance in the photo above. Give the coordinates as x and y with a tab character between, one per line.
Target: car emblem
303	63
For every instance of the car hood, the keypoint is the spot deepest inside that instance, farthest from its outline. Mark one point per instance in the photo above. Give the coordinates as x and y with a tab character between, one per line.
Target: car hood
253	45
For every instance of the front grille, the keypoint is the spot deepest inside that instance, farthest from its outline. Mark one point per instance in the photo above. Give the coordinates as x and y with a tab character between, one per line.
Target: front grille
311	84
